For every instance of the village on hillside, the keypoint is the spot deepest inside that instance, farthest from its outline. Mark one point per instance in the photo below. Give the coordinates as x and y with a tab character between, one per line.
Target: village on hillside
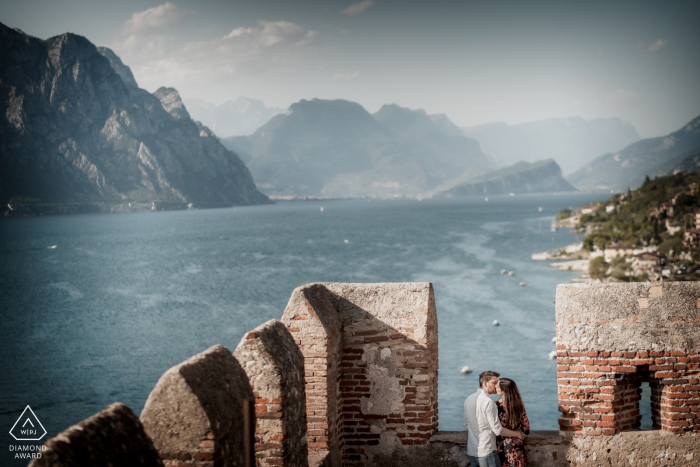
648	234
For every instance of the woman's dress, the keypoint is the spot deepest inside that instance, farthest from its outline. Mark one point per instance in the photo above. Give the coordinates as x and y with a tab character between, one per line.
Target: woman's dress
511	450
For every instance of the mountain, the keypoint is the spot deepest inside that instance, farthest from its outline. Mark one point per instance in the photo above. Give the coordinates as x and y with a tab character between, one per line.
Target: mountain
570	141
651	157
690	164
438	140
523	177
337	149
232	118
73	130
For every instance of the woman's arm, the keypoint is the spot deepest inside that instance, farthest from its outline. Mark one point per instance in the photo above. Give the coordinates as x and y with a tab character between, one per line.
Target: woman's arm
526	424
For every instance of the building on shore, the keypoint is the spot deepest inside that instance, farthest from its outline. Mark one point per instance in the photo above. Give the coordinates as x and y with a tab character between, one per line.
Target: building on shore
617	249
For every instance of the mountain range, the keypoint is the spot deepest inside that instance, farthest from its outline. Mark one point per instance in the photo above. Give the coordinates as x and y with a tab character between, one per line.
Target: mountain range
336	148
75	128
523	177
571	141
232	118
651	157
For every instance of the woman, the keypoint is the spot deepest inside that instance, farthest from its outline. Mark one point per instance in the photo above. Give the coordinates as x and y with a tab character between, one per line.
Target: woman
511	414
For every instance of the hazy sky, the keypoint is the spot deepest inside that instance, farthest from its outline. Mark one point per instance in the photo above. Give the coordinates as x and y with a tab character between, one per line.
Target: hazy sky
476	61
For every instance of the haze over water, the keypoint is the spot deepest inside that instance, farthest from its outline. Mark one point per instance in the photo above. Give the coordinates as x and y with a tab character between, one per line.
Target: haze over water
124	297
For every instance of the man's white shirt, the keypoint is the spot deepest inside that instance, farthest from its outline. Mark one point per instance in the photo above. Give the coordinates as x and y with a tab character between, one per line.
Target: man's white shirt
481	423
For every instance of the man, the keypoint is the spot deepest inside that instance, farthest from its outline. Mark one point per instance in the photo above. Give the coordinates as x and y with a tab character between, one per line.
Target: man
482	425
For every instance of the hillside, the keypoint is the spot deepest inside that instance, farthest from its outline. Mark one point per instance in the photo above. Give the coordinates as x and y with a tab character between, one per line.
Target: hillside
75	135
571	141
628	167
523	177
337	149
658	218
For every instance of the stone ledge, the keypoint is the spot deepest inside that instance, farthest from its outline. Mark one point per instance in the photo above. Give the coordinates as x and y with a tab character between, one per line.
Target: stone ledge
540	437
319	459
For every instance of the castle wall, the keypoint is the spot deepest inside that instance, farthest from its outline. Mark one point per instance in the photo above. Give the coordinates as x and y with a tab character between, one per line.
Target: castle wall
316	328
613	337
275	368
386	368
113	436
194	415
349	377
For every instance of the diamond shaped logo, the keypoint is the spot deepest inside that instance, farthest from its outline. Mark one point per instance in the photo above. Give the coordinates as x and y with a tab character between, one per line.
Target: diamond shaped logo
28	427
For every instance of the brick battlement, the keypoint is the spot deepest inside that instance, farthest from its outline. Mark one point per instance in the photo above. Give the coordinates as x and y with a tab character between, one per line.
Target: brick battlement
349	378
610	339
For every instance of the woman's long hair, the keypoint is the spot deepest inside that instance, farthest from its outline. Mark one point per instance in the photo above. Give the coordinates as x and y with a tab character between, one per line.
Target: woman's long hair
512	402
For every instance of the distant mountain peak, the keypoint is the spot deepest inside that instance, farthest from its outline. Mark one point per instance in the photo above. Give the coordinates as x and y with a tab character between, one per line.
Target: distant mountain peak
234	117
571	141
170	99
651	157
122	70
522	177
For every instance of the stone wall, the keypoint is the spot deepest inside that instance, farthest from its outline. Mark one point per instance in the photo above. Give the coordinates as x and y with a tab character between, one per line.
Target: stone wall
349	377
113	436
613	337
316	328
386	368
275	368
194	415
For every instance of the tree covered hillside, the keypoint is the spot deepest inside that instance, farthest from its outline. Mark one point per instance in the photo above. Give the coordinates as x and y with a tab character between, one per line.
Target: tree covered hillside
658	218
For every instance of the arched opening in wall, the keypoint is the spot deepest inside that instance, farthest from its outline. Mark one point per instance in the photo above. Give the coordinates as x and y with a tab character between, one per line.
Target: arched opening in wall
641	398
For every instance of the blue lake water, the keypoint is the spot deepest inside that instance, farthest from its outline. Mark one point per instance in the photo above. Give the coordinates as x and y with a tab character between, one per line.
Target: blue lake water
124	297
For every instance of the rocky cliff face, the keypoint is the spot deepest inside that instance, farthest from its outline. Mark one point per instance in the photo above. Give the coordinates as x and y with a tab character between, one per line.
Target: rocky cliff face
523	177
71	130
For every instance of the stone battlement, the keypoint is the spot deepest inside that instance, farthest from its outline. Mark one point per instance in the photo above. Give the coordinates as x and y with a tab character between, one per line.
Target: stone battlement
349	377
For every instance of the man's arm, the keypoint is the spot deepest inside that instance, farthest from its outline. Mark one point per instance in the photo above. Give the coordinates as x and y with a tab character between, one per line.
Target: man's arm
496	427
464	421
491	414
512	433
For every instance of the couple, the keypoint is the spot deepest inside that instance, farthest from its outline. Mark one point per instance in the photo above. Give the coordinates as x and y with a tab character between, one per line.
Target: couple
485	420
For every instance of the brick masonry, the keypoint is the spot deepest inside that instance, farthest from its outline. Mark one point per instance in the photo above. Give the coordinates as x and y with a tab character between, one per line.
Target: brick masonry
613	337
194	415
275	368
113	436
316	328
383	376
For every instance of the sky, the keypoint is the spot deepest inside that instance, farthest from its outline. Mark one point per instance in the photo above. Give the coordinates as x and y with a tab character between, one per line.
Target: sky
475	61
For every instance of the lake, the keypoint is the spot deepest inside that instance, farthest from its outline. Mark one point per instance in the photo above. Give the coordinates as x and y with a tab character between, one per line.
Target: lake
123	297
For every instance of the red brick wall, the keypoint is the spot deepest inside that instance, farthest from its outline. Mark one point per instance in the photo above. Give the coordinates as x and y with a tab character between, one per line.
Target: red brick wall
315	326
371	348
599	392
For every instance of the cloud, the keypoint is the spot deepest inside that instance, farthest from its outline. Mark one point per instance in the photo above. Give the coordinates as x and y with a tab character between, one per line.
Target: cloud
269	34
344	76
161	17
576	103
358	8
624	95
161	54
658	45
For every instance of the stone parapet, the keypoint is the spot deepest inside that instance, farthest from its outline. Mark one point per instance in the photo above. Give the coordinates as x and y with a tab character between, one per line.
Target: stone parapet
380	347
613	337
194	415
275	368
315	325
113	436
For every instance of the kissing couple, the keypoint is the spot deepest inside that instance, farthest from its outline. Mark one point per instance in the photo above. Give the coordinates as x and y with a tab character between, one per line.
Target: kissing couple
496	430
